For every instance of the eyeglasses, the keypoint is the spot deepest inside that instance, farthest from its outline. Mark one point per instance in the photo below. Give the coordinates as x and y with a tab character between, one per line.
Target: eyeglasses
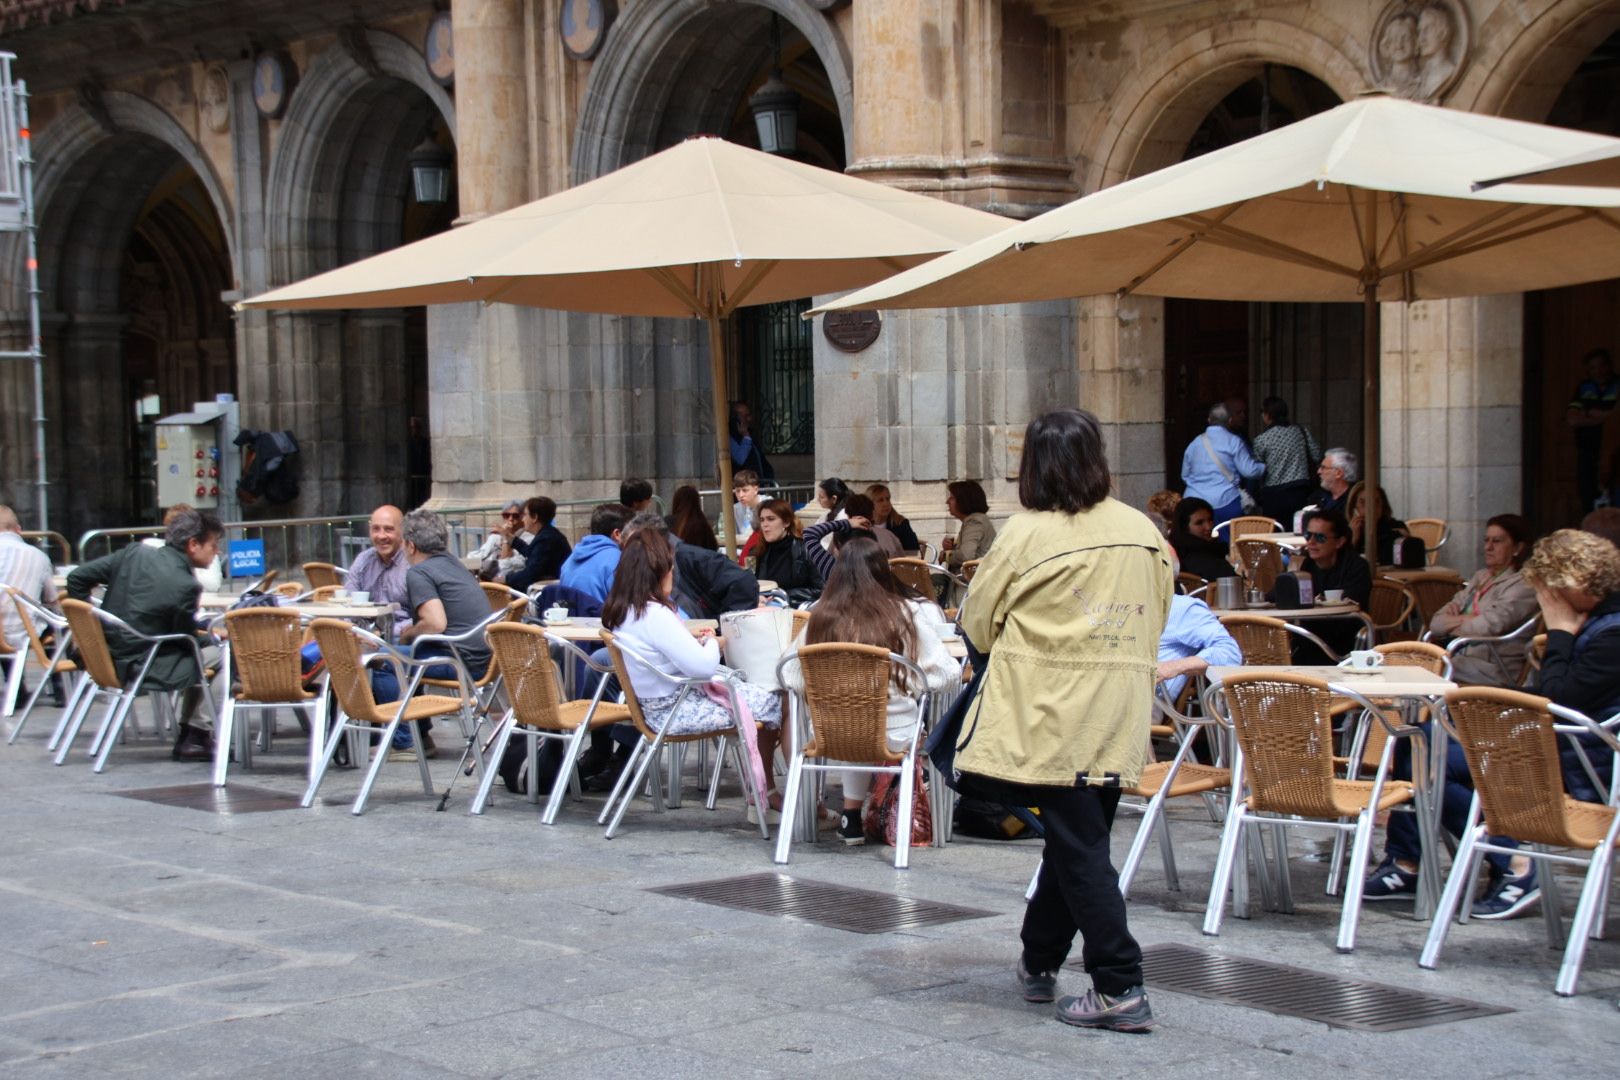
513	514
1318	538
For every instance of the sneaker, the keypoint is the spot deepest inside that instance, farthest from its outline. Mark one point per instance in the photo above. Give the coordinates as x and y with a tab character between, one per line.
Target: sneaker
1509	897
1125	1012
1389	882
850	829
1039	987
429	747
407	754
773	816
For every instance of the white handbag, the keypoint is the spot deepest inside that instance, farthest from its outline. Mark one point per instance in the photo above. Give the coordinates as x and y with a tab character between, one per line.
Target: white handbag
755	641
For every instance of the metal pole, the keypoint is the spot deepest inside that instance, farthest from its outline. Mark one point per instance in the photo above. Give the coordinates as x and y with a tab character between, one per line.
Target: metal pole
36	350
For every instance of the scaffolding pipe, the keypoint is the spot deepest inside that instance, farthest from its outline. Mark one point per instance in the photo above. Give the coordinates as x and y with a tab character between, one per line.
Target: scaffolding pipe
16	145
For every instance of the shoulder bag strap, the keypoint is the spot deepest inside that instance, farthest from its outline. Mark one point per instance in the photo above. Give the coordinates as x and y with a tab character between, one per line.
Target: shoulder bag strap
1209	448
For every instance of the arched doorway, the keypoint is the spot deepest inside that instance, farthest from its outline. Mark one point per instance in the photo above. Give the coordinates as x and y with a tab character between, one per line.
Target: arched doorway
341	190
677	68
1561	328
135	262
1307	354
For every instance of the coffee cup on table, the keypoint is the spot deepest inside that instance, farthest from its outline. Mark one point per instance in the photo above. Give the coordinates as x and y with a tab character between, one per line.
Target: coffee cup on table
360	598
1333	596
1366	659
556	615
340	596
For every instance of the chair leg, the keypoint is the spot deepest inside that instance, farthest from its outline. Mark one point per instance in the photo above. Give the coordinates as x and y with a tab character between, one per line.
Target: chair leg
74	719
719	765
81	685
223	741
375	767
902	826
318	772
28	709
1285	881
649	759
1552	907
1463	869
1167	852
1034	881
566	775
790	806
1236	819
1350	915
623	780
19	661
674	759
111	732
317	732
503	735
1589	909
1139	843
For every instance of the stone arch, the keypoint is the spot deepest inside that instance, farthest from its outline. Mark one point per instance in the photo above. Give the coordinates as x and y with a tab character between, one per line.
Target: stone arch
628	93
1151	116
332	104
1524	58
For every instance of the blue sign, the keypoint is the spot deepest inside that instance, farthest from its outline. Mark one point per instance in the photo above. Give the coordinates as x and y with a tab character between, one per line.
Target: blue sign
246	558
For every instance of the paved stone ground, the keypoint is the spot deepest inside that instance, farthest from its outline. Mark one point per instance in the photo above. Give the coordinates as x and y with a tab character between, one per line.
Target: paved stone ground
142	939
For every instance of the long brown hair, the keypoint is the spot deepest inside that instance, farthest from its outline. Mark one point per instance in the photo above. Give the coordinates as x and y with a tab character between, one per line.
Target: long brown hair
686	519
863	604
647	557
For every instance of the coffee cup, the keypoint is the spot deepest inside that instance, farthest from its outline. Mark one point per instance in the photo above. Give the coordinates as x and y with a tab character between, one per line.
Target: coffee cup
1366	659
340	596
556	615
1333	596
359	598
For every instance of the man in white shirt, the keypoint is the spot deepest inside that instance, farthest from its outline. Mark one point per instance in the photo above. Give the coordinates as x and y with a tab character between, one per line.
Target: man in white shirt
25	568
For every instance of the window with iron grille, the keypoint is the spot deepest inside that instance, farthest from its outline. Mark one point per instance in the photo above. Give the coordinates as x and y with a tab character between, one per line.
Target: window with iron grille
777	344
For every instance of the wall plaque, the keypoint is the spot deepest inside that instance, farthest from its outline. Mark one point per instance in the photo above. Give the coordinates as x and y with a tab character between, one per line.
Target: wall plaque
438	49
583	25
1419	47
851	331
272	84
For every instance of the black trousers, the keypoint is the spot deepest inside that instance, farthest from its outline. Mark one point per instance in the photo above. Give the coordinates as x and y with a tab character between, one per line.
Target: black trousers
1078	892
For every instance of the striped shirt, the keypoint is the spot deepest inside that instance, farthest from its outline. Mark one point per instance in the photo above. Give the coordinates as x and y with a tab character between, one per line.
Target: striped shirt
28	570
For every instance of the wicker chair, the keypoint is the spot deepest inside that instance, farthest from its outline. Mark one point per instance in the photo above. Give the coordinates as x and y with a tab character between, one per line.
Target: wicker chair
1432	591
846	710
323	594
970	568
537	712
1284	765
918	575
1390	607
647	751
262	651
350	683
86	622
1248	525
502	597
1434	532
1261	559
1190	583
1162	780
287	590
53	663
482	690
1511	742
320	574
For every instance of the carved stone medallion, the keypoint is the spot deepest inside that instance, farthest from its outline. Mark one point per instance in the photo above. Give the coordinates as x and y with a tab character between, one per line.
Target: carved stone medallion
583	26
1419	48
851	331
215	103
438	49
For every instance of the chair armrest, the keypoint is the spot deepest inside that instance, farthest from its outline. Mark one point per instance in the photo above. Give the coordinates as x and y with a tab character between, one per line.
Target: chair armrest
578	653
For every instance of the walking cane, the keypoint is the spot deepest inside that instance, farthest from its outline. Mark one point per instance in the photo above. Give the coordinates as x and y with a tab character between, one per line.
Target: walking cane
462	768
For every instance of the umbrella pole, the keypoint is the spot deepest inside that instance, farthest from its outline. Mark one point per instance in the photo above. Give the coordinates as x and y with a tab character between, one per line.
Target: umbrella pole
722	429
1372	355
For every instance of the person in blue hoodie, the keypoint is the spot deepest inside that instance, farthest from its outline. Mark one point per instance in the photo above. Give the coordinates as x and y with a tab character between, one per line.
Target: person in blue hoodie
590	567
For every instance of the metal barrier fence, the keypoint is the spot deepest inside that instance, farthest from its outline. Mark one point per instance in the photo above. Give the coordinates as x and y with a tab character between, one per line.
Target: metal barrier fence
290	542
46	540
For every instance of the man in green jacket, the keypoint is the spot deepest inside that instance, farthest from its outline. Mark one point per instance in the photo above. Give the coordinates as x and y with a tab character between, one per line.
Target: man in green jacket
154	591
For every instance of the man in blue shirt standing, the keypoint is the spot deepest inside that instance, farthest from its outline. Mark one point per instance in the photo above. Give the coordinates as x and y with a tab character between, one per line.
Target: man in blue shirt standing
1216	463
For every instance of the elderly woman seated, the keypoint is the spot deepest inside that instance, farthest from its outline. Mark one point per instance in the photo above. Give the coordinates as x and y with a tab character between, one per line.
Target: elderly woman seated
1492	603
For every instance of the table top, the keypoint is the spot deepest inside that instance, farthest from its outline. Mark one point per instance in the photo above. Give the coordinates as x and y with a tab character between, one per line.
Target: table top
583	629
1390	680
1397	574
1317	611
222	601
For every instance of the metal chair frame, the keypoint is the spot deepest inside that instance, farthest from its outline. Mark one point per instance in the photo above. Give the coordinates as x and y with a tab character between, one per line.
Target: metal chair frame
53	664
228	735
647	751
1241	819
401	662
1152	811
573	739
905	767
1413	526
1525	632
122	697
1589	910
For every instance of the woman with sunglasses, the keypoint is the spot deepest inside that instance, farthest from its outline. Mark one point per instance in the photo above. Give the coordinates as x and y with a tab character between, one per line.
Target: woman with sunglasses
1333	563
544	555
496	557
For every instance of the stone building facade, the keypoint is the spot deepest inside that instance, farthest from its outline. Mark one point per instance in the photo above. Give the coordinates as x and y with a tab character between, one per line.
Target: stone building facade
168	189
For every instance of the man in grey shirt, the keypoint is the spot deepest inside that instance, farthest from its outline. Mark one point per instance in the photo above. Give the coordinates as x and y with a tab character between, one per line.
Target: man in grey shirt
442	597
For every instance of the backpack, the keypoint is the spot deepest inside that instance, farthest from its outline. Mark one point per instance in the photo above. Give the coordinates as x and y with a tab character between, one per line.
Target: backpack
269	467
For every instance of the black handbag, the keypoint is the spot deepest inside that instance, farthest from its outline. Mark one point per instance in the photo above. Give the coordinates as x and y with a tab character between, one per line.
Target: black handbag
949	738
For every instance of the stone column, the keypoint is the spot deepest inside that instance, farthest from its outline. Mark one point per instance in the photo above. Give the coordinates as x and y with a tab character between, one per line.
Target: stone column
1120	349
1452	384
93	430
492	134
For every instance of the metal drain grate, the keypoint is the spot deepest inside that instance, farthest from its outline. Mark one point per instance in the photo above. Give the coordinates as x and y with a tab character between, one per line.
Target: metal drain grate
1311	995
860	911
216	800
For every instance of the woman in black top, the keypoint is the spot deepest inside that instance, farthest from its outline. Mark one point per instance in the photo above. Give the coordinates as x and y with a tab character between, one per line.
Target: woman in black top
1333	563
782	557
544	555
1391	529
1191	536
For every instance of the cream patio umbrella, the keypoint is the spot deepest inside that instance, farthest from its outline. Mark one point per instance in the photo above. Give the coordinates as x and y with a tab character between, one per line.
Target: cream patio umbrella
1594	168
1369	201
697	230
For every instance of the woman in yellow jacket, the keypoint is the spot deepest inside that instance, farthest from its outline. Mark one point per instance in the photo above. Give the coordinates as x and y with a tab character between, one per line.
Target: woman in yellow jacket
1070	603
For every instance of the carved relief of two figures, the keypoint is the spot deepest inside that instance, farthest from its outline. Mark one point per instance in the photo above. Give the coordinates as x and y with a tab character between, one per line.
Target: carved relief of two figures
1418	48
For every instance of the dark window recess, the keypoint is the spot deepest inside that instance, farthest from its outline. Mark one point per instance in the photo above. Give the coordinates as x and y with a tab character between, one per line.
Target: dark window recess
777	349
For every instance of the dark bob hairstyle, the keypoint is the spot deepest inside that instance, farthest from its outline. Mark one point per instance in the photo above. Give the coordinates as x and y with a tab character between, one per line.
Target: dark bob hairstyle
1063	467
970	497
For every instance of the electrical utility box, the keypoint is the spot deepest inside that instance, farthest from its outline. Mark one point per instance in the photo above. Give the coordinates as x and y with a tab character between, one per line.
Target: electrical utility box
197	463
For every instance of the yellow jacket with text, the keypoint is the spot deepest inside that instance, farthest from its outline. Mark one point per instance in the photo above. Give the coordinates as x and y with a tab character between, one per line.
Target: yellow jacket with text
1070	608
